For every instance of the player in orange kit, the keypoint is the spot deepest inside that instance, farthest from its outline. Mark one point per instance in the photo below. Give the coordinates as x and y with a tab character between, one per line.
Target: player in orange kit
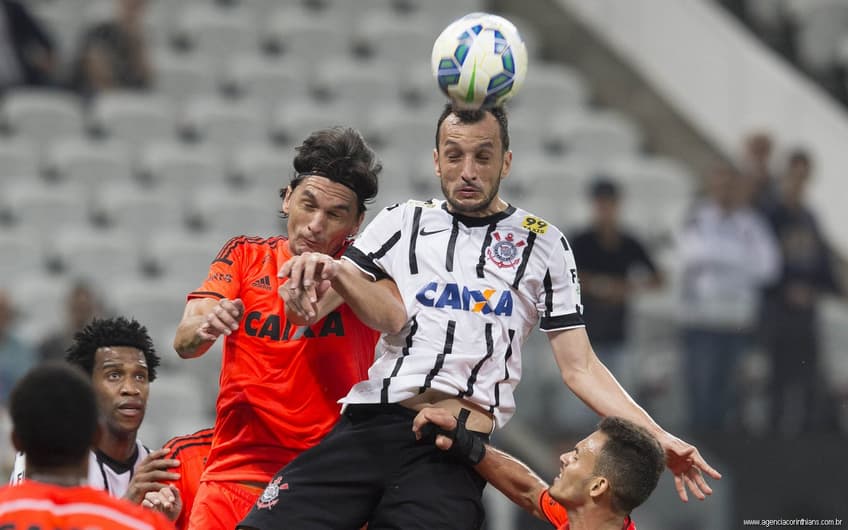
601	480
54	416
280	381
191	450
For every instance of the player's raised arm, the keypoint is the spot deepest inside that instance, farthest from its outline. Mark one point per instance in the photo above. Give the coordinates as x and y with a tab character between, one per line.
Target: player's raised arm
590	380
204	320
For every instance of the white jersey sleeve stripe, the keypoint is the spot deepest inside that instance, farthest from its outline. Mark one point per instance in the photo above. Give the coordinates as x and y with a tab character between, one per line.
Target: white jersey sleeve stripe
387	381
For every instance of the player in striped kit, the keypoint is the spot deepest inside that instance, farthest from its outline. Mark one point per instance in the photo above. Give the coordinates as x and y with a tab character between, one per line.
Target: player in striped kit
475	274
118	355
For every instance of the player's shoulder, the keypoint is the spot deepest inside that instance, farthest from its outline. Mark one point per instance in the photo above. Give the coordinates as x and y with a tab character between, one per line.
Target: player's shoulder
247	246
535	224
197	441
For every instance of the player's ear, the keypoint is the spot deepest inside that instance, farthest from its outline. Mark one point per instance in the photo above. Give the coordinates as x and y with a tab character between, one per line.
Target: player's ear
507	164
436	163
287	193
599	486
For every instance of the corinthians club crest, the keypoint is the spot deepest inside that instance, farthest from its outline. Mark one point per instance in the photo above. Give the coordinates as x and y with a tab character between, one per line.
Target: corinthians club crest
269	497
503	251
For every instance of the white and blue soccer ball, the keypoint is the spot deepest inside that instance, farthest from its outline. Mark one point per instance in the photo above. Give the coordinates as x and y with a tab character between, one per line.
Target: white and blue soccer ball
479	61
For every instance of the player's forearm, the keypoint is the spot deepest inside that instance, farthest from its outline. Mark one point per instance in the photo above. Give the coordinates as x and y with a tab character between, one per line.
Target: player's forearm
514	479
377	304
186	342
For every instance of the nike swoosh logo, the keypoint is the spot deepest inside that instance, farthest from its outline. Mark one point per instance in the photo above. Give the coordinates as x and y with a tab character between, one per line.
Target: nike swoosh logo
424	232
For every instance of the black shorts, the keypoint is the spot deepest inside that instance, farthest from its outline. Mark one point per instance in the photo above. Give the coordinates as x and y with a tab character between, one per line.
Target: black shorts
370	468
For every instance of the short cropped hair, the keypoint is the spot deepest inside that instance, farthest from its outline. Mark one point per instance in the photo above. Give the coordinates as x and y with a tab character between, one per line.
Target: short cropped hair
108	332
632	459
341	155
474	116
54	414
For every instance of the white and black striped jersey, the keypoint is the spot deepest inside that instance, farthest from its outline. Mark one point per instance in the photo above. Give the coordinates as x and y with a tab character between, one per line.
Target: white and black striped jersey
473	289
104	473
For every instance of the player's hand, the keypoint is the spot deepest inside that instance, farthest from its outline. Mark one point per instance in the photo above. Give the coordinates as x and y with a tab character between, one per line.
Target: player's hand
441	418
308	272
166	500
688	467
151	475
222	320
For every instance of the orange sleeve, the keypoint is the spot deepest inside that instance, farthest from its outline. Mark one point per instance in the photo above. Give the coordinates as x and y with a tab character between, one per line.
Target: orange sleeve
191	450
554	511
224	278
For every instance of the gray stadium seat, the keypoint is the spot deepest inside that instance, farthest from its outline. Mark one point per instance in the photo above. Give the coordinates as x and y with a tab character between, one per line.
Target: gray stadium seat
821	23
133	117
143	211
183	76
305	35
181	168
18	159
224	125
43	115
40	299
295	120
262	167
155	303
224	213
183	257
269	80
399	39
23	251
37	206
88	163
102	257
549	87
598	135
217	33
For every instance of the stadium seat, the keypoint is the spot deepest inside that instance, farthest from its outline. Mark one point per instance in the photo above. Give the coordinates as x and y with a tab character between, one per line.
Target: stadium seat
182	168
18	160
223	125
41	207
253	213
269	79
103	257
550	87
90	164
180	256
23	251
262	167
398	39
183	76
143	211
446	10
293	121
157	304
42	116
309	37
598	135
820	24
133	117
218	34
40	300
402	129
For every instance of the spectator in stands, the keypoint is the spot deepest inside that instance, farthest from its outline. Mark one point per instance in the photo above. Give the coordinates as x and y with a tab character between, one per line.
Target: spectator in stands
113	54
607	258
790	315
16	357
756	166
81	306
27	52
728	254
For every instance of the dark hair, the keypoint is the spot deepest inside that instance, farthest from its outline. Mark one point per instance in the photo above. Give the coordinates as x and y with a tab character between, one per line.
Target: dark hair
54	414
799	156
604	187
632	460
105	332
341	155
474	116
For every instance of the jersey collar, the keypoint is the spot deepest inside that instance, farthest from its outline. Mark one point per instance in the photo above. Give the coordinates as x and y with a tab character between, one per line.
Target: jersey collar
480	221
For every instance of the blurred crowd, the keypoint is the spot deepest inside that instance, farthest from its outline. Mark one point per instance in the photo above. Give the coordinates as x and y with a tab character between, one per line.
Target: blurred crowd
109	54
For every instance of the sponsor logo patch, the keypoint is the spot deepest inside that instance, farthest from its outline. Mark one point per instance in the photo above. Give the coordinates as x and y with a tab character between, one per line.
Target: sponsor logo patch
503	251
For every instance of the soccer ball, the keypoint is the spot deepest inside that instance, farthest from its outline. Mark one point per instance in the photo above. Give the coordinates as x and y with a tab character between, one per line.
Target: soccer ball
479	61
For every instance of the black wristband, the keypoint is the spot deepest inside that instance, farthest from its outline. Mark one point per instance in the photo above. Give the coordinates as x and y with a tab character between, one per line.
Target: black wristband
466	445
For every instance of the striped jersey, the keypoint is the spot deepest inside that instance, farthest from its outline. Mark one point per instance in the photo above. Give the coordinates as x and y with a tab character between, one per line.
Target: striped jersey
191	450
473	289
104	473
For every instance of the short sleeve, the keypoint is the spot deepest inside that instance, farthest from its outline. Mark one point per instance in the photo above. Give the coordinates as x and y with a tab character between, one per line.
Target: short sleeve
224	277
559	300
377	246
554	512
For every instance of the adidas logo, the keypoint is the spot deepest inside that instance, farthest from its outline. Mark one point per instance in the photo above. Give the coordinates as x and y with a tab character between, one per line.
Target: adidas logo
263	283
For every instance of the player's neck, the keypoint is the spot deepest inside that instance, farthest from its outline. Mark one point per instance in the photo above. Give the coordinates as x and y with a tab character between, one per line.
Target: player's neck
593	518
118	448
67	476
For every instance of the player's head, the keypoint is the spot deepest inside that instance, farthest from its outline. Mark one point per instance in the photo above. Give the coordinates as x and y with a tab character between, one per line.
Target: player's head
54	417
119	356
798	171
335	175
471	158
617	467
605	195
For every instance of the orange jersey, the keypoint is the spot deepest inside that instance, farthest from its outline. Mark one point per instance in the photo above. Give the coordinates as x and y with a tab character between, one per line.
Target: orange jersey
33	504
192	451
557	516
279	383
